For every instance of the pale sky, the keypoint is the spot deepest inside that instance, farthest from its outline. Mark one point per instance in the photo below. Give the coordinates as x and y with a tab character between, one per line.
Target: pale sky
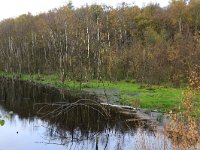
14	8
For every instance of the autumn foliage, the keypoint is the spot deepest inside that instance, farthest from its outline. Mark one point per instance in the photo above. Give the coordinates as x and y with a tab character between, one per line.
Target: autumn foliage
184	126
153	45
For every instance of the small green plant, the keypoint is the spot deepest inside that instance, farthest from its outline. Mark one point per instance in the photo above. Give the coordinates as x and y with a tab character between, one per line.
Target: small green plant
2	122
2	119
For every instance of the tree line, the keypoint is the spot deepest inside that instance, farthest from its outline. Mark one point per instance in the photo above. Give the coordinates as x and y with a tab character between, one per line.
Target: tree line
151	44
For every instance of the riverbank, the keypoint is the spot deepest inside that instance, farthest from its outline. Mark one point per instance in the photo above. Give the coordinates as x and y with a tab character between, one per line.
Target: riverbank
157	98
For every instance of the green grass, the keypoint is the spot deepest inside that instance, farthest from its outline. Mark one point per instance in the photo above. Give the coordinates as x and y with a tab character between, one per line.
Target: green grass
155	97
160	98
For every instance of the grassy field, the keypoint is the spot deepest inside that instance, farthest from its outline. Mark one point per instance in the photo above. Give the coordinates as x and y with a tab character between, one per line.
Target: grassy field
161	98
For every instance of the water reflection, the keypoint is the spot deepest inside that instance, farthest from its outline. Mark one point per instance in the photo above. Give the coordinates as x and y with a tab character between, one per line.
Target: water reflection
82	127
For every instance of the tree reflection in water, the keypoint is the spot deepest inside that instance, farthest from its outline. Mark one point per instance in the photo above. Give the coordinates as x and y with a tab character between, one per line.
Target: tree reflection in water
72	119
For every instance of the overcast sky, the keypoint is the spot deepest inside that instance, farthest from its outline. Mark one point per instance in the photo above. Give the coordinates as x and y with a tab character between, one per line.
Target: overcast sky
14	8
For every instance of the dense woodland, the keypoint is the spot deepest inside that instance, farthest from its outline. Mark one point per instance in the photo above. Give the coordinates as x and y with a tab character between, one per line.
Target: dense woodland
151	44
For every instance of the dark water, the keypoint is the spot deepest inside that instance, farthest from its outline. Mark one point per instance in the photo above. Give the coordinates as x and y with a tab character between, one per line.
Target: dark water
46	118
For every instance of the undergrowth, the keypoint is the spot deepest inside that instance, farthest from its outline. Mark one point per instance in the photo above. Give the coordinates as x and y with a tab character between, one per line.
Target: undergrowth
184	126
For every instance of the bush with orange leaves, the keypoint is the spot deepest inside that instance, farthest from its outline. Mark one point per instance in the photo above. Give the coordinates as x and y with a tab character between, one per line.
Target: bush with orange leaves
194	81
184	125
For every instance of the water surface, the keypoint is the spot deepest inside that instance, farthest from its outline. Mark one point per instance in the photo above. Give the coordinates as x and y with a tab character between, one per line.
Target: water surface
37	123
